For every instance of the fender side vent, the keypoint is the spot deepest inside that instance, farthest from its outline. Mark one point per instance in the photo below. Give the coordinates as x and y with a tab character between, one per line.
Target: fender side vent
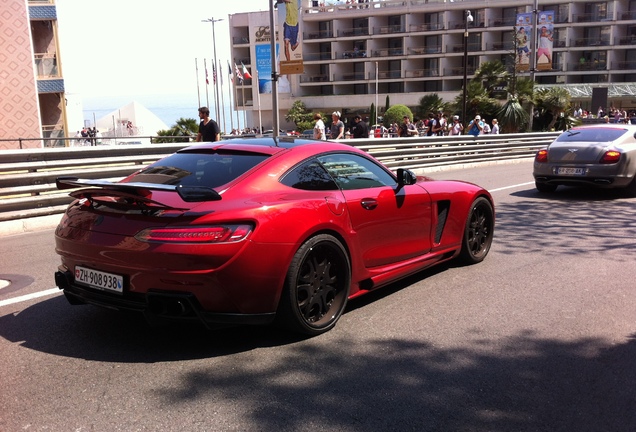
442	215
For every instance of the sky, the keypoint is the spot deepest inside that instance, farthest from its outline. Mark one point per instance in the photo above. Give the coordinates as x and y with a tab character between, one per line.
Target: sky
120	49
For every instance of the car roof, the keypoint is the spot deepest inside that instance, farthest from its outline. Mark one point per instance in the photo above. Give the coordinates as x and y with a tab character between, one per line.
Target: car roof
268	145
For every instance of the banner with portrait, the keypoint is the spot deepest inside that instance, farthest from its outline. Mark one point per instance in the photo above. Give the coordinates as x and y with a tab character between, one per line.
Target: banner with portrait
291	62
523	33
545	41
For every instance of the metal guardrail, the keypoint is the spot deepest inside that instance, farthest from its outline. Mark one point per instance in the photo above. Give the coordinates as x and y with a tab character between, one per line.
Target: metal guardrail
27	177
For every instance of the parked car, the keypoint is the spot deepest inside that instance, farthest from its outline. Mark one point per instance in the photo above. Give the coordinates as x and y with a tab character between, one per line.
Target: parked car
253	231
600	155
307	134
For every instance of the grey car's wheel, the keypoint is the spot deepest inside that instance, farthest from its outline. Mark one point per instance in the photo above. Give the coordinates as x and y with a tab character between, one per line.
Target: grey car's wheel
478	232
630	190
316	287
545	187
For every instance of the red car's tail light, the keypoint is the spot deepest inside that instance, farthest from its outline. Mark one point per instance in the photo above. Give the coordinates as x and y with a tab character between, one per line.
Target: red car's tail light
202	234
611	156
542	155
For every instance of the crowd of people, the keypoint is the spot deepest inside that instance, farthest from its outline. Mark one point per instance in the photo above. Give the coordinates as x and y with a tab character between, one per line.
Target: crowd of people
87	136
612	115
436	124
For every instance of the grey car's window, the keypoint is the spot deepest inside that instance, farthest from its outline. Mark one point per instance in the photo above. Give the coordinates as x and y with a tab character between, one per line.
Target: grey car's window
351	171
198	169
309	175
591	135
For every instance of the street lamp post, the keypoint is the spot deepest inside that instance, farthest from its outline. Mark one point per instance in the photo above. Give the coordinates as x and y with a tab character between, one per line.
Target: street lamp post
216	81
468	19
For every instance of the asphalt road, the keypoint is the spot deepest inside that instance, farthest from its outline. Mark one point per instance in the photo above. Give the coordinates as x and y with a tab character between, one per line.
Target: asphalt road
538	337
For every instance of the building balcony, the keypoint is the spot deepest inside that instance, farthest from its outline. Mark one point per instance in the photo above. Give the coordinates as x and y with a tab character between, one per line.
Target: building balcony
590	42
624	65
388	52
422	73
46	66
324	34
426	27
433	49
588	66
628	40
389	29
356	31
314	79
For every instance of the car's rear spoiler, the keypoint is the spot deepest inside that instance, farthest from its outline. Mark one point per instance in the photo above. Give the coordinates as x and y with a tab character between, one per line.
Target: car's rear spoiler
187	193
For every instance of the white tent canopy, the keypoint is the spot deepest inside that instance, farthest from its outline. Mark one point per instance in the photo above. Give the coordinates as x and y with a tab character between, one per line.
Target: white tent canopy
133	119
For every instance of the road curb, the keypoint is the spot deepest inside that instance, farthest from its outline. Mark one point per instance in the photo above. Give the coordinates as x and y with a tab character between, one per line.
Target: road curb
21	226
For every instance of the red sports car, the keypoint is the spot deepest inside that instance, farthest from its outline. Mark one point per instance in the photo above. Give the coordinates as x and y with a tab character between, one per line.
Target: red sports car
253	231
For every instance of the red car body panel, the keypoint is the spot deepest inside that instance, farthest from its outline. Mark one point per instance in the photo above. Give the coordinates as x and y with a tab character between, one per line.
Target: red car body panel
388	233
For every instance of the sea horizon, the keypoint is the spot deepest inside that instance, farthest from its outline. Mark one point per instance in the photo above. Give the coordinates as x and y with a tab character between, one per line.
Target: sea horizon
168	108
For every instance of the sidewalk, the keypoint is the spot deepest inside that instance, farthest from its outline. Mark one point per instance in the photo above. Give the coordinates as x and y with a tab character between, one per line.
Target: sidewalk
21	226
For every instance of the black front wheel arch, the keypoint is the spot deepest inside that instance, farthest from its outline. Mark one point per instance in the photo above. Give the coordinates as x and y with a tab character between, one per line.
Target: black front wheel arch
316	287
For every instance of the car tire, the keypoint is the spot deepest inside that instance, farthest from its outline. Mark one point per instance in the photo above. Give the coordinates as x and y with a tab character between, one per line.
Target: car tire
630	190
316	287
545	187
478	232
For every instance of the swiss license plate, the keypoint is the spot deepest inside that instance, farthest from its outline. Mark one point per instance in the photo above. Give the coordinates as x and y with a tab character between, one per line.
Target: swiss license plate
100	280
570	171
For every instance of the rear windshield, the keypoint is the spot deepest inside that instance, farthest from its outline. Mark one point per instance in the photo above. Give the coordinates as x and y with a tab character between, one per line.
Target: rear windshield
198	169
591	135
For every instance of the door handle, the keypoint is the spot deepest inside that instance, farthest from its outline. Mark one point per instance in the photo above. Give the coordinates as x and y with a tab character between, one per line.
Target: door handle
369	203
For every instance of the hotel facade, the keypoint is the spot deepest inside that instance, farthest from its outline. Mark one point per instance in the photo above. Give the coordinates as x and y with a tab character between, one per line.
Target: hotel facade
32	98
357	54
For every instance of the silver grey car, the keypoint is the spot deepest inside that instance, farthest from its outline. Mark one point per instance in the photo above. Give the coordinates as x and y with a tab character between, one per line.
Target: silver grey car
602	155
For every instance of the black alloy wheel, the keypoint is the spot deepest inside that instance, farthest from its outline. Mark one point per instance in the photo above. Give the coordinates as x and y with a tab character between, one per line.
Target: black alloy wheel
316	287
478	233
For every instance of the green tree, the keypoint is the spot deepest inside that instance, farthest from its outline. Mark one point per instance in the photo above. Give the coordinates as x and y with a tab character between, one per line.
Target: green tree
478	101
396	114
492	75
554	102
299	115
431	103
184	129
512	117
372	115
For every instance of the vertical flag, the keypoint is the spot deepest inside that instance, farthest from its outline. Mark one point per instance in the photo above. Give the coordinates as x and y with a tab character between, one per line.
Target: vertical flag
229	71
237	72
246	74
221	75
205	65
213	72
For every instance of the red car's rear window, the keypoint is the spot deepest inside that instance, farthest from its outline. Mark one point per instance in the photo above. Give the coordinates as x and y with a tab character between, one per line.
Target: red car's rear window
198	169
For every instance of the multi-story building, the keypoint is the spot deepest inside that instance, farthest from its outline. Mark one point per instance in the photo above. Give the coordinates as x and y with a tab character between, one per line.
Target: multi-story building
32	98
357	53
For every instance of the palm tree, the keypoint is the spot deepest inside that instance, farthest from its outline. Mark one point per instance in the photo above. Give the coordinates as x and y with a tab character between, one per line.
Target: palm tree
185	128
478	101
556	101
492	74
512	116
431	103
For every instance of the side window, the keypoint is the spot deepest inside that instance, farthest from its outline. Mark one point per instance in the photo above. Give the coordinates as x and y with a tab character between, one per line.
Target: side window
309	175
351	171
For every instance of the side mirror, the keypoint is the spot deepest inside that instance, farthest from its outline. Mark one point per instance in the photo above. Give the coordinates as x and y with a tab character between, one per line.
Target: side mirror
406	177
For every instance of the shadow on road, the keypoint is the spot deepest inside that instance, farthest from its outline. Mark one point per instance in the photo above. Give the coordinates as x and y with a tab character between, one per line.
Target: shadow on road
522	382
561	223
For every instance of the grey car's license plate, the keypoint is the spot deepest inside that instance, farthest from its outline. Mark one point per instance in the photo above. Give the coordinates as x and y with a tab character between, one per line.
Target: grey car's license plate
570	171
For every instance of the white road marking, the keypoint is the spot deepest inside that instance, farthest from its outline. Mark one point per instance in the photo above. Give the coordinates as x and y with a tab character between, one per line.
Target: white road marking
510	187
31	296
